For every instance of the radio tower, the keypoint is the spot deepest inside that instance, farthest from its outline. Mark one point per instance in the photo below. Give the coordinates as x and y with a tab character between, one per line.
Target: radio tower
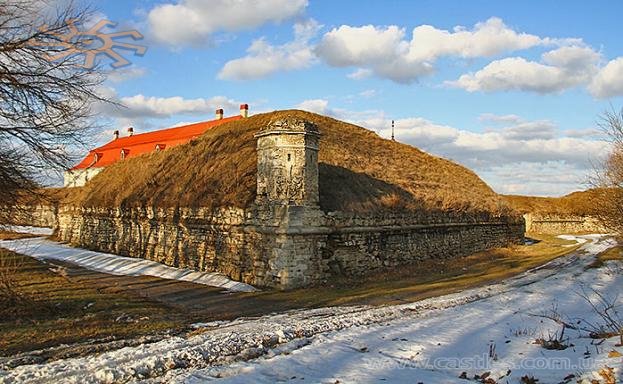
393	131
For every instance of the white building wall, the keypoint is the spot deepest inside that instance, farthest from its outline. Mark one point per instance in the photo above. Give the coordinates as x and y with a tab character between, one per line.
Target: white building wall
79	177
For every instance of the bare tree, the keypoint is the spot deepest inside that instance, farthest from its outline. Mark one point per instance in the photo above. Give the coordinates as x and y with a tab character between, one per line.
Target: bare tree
608	176
46	94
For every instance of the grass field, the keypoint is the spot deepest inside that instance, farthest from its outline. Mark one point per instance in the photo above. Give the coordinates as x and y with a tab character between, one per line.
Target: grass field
55	308
51	309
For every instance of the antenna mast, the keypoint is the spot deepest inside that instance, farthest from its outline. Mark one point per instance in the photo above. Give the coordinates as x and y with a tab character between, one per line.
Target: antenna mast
393	139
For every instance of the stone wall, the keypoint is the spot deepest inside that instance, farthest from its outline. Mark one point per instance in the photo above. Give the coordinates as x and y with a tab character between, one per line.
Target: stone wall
38	215
235	243
556	224
187	238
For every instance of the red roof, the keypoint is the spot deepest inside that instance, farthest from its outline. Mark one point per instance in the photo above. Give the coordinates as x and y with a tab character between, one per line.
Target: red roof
138	144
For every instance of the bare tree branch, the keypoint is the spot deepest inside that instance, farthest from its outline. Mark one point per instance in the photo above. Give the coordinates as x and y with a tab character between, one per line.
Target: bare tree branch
45	105
607	177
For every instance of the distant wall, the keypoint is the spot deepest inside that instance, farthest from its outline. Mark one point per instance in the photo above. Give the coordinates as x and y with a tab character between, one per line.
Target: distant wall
554	224
79	177
38	215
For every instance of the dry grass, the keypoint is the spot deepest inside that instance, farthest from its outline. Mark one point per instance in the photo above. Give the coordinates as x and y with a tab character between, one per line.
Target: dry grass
8	235
576	203
55	310
359	171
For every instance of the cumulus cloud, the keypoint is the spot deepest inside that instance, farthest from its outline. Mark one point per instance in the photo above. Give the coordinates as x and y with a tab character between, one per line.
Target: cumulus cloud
609	80
354	46
488	38
124	74
164	107
384	51
141	107
194	21
264	59
559	69
375	50
513	156
320	106
553	178
359	74
498	119
528	157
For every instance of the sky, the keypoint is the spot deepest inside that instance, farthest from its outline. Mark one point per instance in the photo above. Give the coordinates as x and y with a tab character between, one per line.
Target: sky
512	90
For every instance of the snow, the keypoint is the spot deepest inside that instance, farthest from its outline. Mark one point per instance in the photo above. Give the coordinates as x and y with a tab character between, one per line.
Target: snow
430	341
44	249
27	229
572	238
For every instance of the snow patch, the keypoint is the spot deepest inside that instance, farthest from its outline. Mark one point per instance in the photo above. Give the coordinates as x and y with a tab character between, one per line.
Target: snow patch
487	329
43	249
27	229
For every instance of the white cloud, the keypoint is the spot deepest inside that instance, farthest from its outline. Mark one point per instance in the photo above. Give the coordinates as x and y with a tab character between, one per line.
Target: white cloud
609	81
529	130
384	51
164	107
562	68
264	59
518	156
140	107
319	106
194	21
589	132
368	93
553	178
360	74
124	74
488	38
499	119
374	50
355	46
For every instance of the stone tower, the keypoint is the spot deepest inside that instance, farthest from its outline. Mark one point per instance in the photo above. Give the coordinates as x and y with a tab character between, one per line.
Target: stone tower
288	214
287	163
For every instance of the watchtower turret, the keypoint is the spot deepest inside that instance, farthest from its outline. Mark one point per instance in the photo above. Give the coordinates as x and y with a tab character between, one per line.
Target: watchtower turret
287	163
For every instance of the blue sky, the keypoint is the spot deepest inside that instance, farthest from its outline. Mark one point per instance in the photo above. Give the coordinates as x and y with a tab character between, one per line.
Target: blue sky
512	90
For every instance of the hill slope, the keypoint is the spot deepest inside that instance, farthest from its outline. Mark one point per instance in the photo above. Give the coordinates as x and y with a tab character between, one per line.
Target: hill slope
583	203
359	171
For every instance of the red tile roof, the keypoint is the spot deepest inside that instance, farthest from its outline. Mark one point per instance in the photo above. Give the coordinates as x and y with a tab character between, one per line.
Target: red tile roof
141	143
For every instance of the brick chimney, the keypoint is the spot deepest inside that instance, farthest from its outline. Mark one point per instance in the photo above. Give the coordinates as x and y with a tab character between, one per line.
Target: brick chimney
130	131
219	114
244	110
115	135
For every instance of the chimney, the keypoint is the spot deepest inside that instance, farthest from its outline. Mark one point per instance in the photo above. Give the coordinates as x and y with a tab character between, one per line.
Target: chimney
130	131
116	135
244	110
219	114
